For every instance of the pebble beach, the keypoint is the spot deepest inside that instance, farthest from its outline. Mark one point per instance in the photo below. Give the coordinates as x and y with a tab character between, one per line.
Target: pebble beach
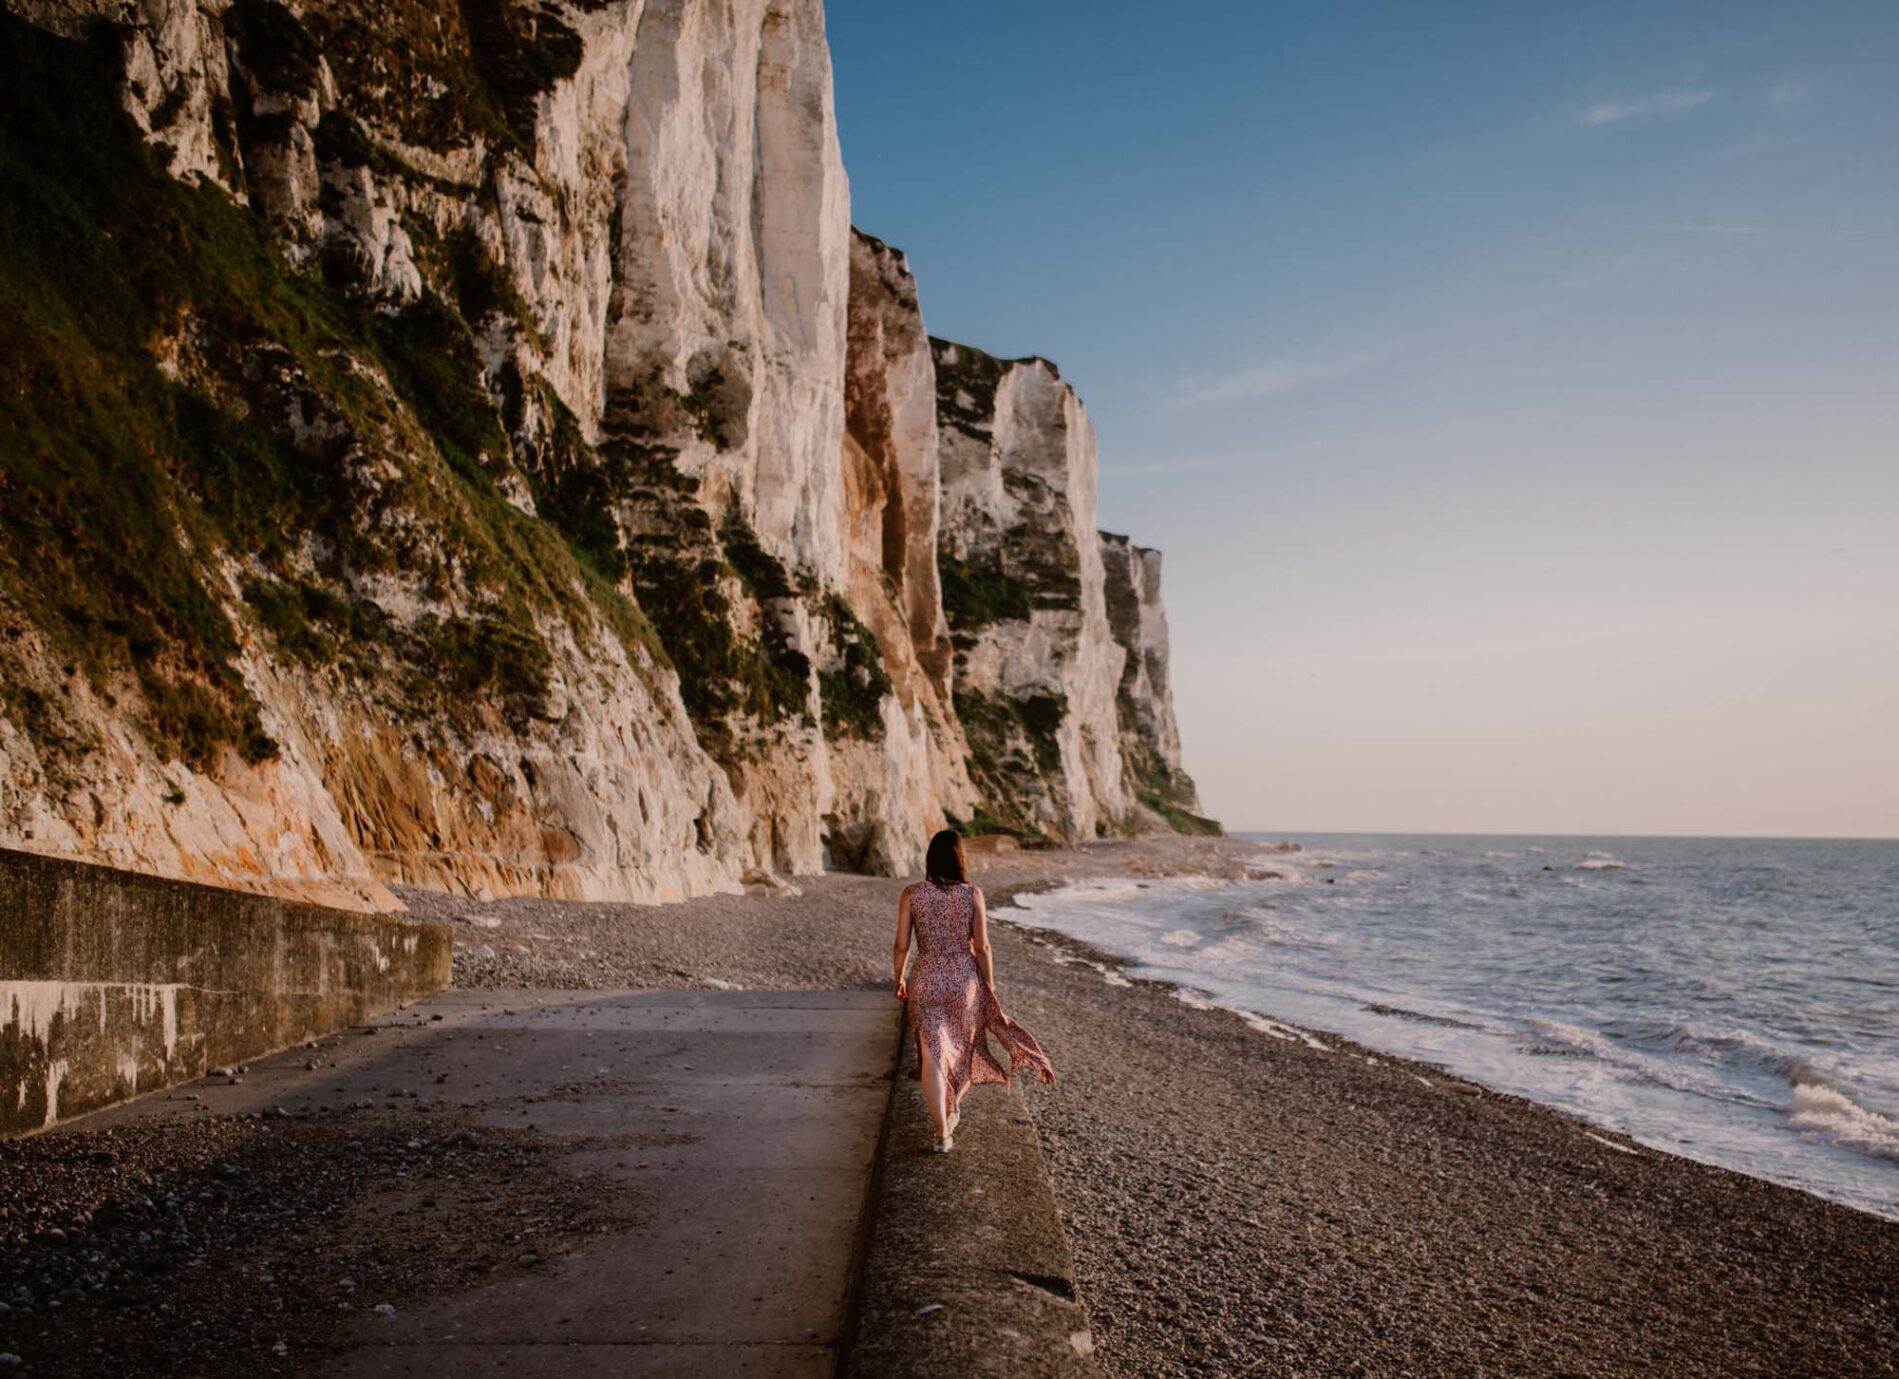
1240	1199
1243	1203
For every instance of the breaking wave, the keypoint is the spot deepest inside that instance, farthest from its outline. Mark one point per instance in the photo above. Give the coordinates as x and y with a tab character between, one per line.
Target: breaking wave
1717	999
1830	1114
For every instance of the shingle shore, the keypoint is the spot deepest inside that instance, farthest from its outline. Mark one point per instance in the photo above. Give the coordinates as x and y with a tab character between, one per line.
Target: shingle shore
1250	1206
1236	1204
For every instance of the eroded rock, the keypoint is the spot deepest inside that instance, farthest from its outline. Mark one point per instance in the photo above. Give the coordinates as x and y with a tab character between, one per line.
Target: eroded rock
619	532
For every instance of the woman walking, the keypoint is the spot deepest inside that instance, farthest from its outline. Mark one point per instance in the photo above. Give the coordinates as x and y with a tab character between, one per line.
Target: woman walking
952	992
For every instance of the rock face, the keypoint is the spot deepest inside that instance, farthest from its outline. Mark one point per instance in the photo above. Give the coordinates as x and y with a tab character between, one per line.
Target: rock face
1150	738
1037	665
470	447
918	765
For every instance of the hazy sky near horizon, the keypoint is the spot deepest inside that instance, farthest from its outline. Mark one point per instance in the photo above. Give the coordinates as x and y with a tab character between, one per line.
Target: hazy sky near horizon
1513	389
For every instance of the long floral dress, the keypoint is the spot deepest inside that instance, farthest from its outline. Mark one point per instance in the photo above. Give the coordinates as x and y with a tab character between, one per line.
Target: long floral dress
951	1007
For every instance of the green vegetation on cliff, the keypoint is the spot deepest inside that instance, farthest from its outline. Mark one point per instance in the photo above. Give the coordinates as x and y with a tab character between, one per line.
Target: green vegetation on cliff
966	383
686	577
1014	754
1159	787
183	402
98	253
470	68
854	687
273	45
977	595
520	51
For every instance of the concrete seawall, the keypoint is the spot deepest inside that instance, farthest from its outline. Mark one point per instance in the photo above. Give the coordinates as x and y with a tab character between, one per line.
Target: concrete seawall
966	1272
114	983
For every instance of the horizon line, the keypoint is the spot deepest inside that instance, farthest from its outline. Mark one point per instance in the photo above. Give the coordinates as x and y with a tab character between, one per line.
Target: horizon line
1482	833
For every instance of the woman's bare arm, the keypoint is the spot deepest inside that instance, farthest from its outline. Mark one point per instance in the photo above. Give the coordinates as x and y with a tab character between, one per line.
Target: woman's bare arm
900	953
979	940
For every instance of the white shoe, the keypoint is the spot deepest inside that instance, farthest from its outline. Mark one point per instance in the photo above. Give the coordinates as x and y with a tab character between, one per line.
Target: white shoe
944	1145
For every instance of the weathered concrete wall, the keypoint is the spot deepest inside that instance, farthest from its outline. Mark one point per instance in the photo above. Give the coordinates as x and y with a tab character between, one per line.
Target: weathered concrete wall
967	1272
112	983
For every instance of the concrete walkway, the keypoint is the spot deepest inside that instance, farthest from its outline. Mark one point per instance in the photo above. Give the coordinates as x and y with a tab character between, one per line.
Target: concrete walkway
744	1123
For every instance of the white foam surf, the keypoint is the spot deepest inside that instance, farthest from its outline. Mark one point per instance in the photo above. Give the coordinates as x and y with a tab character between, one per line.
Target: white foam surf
1655	988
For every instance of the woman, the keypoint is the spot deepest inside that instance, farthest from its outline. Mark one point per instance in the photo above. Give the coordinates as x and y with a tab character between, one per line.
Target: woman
952	993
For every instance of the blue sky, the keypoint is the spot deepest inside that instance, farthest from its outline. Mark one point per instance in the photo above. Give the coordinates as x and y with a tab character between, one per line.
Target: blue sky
1513	388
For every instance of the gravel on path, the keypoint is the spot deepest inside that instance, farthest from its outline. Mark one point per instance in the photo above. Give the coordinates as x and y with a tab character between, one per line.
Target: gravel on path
236	1244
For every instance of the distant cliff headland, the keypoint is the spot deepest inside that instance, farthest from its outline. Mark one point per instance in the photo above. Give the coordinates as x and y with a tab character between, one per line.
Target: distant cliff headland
467	445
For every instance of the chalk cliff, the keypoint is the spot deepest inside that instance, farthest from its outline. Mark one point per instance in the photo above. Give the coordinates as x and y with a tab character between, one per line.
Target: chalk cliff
891	505
1150	738
467	445
1037	664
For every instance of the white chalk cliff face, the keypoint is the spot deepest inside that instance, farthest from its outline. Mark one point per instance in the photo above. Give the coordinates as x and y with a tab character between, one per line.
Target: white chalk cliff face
631	540
731	269
1037	665
1150	738
913	776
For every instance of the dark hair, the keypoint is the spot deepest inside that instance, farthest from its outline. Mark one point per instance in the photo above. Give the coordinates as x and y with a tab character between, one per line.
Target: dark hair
946	863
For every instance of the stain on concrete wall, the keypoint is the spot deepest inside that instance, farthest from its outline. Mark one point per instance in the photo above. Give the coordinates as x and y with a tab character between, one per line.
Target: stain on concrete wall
113	983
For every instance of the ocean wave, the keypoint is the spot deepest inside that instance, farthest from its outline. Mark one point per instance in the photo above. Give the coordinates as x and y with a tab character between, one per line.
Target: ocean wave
1731	1067
1075	892
1108	974
1251	921
1290	1033
1824	1111
1401	1013
1568	1035
1559	1038
1705	1017
1260	913
1727	1048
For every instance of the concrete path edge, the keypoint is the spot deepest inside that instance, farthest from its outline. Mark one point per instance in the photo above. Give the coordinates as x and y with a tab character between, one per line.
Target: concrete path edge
965	1267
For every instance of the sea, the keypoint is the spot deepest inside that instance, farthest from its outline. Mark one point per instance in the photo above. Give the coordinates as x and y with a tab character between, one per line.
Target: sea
1734	1001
